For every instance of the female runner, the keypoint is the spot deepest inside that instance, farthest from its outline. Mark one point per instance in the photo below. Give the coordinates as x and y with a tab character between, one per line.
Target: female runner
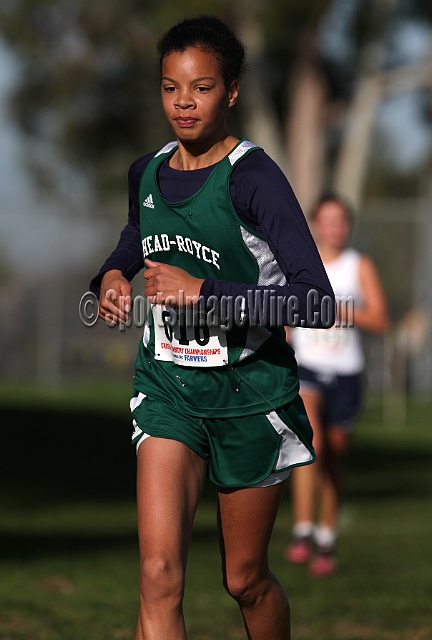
213	218
330	370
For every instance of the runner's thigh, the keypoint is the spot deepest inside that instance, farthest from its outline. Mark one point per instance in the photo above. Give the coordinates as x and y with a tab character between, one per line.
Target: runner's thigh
170	479
246	519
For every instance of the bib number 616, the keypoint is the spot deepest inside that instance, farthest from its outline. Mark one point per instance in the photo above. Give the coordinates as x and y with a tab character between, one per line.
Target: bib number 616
184	333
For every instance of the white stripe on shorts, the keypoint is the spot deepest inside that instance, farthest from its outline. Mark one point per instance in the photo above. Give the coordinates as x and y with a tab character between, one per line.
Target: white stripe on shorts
292	450
143	437
276	477
135	402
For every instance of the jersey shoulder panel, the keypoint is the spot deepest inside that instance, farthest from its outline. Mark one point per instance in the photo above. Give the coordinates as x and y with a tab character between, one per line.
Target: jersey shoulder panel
167	148
258	162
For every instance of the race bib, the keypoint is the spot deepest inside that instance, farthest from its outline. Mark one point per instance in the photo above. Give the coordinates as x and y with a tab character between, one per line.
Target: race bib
181	338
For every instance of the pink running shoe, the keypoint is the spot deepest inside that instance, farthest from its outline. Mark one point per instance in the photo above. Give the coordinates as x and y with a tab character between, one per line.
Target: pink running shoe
299	551
323	563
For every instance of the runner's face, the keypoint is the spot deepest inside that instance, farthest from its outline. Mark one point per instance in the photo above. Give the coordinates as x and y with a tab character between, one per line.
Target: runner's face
194	97
332	225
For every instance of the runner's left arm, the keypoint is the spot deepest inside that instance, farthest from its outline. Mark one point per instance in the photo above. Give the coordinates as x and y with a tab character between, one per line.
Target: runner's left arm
265	202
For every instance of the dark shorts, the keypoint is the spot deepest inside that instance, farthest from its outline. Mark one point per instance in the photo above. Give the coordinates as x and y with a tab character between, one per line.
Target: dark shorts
240	451
342	396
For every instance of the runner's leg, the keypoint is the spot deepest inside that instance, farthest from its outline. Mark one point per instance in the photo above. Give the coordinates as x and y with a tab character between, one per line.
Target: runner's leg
323	562
304	479
170	479
335	448
246	519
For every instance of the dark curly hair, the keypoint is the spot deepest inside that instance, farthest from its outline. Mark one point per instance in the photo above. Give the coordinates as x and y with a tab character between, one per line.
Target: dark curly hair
211	34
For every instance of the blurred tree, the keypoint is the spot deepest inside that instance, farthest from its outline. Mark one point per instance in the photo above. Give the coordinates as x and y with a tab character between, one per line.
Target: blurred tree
88	91
348	61
88	87
378	77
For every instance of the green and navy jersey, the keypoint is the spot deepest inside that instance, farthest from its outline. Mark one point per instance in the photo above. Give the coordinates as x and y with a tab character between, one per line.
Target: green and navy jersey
265	203
208	371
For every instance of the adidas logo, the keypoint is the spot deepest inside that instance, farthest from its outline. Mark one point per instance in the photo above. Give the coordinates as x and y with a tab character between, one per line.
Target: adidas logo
148	202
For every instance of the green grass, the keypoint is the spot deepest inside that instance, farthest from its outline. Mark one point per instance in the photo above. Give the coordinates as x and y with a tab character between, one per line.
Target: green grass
68	549
103	396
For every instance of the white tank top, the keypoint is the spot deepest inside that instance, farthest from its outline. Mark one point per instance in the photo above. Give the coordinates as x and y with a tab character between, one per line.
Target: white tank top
336	350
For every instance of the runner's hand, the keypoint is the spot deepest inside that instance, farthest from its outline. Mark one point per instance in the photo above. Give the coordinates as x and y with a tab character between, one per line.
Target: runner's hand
171	285
115	301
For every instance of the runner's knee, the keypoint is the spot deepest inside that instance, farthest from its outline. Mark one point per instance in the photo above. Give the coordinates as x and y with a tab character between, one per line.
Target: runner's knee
160	578
245	586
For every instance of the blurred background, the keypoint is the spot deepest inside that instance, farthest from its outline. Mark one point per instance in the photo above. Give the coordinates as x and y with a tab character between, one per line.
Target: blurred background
339	93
